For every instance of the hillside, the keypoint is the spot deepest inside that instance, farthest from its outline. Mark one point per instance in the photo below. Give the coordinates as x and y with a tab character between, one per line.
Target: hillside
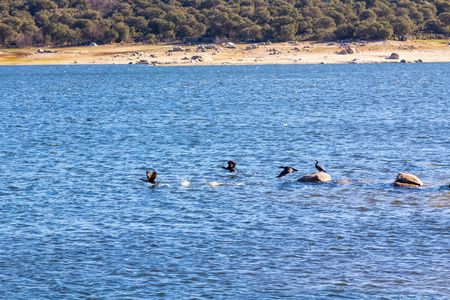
26	23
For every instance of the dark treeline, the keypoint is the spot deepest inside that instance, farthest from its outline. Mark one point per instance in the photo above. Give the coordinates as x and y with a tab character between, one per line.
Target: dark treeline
26	23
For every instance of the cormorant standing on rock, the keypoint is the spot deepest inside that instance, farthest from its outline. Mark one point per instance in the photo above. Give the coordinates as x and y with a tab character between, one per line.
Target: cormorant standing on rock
319	167
151	177
286	171
231	166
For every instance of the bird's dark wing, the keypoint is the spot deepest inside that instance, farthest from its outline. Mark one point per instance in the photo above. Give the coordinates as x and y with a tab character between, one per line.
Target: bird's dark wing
231	164
294	170
283	173
152	177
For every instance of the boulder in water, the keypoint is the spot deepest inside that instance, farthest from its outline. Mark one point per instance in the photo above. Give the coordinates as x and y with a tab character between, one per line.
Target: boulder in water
404	179
316	177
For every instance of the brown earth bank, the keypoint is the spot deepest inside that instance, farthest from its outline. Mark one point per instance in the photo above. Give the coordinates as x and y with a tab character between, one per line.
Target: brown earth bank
243	54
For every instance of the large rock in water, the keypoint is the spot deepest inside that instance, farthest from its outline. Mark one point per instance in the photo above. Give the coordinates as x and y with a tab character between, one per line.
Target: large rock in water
404	179
316	177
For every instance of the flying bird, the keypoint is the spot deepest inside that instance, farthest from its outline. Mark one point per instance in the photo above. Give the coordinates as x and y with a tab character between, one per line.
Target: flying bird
319	167
231	166
286	171
151	177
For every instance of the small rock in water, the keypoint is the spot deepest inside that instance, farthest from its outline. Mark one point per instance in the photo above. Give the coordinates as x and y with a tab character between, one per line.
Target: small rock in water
343	181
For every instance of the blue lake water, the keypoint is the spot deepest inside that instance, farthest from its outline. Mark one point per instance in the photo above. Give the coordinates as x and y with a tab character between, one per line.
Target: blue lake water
76	221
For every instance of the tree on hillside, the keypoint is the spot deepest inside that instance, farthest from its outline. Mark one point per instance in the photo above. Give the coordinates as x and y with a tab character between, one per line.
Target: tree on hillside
64	22
7	34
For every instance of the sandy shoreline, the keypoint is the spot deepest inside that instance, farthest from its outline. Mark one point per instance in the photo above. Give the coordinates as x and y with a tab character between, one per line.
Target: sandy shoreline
279	53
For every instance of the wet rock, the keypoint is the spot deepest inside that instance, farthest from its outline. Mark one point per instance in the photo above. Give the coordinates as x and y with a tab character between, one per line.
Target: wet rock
316	177
404	179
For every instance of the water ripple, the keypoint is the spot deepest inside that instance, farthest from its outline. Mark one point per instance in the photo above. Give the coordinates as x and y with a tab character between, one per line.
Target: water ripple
78	223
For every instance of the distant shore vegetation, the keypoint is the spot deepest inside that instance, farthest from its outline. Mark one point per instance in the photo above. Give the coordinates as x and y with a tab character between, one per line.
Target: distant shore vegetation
27	23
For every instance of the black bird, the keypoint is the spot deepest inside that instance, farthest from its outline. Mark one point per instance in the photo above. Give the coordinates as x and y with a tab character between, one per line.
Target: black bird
151	177
319	167
286	171
231	166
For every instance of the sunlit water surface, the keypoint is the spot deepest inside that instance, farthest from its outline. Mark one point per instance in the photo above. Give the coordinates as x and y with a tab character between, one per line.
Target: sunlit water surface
76	221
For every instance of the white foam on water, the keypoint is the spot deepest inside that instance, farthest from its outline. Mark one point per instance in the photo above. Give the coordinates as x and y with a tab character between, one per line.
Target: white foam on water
214	183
